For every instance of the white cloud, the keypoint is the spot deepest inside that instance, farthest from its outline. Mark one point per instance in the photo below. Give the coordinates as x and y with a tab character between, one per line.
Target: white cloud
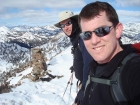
35	11
30	4
33	16
127	16
128	2
128	13
41	12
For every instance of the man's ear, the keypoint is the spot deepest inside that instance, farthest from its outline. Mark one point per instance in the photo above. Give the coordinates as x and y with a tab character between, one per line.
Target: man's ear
119	29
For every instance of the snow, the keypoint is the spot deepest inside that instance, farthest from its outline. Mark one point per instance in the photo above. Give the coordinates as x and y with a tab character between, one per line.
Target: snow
43	92
28	35
4	30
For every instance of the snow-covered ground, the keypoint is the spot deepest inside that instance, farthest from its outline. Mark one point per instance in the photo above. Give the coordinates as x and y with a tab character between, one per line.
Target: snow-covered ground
44	93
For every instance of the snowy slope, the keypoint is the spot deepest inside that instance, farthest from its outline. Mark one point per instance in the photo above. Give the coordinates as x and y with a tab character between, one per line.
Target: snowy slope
44	93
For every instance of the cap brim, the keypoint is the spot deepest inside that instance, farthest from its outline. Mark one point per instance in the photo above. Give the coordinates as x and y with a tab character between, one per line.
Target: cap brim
58	25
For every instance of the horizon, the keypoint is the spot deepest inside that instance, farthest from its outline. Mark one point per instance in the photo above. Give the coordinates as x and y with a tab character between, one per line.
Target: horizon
51	25
42	13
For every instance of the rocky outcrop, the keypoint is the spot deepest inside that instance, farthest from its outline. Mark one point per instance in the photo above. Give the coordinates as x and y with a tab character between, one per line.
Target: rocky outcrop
38	63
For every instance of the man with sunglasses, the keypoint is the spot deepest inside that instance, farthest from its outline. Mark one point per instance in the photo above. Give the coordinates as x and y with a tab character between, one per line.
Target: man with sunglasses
68	22
101	31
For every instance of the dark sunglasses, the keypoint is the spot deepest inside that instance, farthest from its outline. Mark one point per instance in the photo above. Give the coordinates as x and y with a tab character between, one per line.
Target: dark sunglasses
67	24
101	31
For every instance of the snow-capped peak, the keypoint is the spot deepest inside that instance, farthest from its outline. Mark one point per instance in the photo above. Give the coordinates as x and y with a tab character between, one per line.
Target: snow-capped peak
4	30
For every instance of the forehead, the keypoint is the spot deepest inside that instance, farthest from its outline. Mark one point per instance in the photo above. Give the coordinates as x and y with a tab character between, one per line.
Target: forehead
65	21
95	22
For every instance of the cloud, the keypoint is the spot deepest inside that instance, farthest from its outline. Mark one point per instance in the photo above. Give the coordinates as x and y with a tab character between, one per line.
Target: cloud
124	13
32	17
128	16
31	4
45	12
35	11
128	2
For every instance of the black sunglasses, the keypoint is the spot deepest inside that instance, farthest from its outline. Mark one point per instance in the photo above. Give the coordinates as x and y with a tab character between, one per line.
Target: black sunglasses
67	24
101	31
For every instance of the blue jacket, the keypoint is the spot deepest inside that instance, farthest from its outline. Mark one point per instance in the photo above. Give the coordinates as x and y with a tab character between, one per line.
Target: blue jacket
86	60
81	60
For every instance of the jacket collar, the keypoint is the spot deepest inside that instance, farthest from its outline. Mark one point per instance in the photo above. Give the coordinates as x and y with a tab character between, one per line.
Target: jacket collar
115	61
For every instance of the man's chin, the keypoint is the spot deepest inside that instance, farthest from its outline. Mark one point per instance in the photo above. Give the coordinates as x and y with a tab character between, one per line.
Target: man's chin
68	34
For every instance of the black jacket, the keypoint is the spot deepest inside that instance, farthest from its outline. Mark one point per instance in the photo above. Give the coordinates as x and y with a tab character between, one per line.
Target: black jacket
130	78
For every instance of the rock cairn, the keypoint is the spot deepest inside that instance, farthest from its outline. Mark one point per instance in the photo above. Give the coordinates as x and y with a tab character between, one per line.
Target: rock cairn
38	63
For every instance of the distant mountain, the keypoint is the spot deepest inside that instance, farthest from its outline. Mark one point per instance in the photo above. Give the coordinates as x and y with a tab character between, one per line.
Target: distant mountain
26	36
131	33
4	33
12	55
56	45
16	44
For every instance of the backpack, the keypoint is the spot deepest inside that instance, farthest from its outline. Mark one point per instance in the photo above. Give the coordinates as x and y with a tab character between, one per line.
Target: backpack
76	44
137	47
115	82
77	59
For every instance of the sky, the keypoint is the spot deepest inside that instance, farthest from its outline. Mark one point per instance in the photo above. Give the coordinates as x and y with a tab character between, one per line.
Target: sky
44	93
45	12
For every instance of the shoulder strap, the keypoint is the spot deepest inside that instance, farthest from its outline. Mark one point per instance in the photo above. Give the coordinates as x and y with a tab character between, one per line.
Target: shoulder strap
116	88
76	44
115	82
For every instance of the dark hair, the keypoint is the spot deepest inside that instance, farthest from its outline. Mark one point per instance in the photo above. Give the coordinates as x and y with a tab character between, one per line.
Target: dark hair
93	9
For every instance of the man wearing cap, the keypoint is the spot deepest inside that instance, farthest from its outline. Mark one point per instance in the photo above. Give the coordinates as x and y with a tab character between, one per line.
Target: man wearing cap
68	22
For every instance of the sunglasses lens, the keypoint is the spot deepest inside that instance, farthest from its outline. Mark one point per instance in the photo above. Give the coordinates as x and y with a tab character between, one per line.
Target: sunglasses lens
62	26
86	35
106	30
102	31
67	24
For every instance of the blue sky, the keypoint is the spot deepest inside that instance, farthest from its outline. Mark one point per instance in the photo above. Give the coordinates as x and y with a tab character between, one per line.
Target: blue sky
45	12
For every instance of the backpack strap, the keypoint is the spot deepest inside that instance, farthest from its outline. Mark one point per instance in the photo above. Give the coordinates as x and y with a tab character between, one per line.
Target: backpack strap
117	90
115	82
76	44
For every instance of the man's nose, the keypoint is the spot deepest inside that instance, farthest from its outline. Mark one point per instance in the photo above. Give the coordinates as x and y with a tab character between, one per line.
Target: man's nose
94	38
